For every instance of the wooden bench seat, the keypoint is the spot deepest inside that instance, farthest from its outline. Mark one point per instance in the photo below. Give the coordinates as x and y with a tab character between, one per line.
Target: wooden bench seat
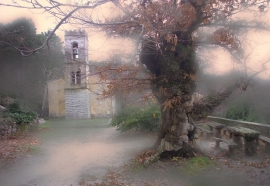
266	141
207	133
231	144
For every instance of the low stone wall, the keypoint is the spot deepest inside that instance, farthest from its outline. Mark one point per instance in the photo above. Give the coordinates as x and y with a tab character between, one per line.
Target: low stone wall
7	127
263	128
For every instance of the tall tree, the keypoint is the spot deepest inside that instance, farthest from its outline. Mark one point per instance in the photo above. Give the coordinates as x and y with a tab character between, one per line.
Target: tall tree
167	33
23	77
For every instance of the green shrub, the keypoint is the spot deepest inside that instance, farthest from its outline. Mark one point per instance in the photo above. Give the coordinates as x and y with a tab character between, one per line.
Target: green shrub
144	119
20	113
242	112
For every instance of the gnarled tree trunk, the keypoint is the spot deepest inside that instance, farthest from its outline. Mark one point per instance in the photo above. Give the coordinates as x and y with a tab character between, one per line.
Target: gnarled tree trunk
175	69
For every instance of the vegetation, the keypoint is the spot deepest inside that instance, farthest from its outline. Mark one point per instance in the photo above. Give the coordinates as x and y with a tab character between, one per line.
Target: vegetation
23	77
242	112
146	118
198	164
20	113
251	105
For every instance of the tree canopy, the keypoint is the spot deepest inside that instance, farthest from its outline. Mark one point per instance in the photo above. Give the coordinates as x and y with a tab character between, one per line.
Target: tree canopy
22	77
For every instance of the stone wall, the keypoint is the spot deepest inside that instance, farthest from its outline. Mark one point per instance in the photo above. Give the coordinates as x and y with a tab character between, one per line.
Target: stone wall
7	127
56	98
77	104
263	128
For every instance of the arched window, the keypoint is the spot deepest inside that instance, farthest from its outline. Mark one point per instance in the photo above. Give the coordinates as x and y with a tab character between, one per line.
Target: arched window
75	50
73	78
78	77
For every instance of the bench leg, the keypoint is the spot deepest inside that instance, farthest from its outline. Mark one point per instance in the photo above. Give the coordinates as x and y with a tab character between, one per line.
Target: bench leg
237	140
207	136
250	146
231	150
267	147
217	133
258	142
217	144
211	128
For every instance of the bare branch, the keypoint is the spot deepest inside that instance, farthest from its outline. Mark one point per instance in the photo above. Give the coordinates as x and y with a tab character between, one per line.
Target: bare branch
28	52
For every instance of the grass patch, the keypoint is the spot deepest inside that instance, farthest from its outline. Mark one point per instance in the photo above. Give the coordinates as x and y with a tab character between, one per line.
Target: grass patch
58	123
198	164
135	166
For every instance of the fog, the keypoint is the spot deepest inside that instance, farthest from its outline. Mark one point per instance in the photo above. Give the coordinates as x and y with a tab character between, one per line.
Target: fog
102	47
73	151
255	97
76	152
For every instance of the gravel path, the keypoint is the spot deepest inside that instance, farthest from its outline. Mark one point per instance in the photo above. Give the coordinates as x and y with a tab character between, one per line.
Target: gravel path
72	150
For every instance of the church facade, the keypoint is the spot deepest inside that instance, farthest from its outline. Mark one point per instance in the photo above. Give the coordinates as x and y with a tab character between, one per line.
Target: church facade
76	95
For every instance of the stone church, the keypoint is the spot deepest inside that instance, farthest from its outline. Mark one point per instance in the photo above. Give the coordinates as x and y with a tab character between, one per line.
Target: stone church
75	96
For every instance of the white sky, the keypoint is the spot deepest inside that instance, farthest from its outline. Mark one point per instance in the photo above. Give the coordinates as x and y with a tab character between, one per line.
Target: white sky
101	47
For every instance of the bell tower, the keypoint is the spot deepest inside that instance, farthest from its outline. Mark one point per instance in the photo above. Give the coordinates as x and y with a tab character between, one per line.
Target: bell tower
77	95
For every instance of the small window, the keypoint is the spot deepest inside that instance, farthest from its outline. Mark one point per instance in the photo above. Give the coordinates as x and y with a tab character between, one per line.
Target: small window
75	50
73	78
78	77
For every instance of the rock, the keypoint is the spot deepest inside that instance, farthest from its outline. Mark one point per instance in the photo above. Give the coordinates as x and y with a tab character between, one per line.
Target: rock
41	121
2	108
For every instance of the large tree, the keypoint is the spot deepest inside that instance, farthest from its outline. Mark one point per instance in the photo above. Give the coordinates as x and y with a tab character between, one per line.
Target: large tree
23	77
167	33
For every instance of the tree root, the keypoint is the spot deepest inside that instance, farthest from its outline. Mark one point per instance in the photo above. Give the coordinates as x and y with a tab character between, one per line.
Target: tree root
187	151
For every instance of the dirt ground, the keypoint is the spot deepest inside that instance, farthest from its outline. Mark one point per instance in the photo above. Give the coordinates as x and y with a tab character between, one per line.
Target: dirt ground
216	169
91	153
69	151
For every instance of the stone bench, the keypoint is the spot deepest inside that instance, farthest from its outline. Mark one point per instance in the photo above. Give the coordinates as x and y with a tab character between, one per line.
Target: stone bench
250	138
207	133
216	128
231	144
266	141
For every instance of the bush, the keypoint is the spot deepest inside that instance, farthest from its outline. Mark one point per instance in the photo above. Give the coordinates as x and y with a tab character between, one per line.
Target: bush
20	113
243	112
144	119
